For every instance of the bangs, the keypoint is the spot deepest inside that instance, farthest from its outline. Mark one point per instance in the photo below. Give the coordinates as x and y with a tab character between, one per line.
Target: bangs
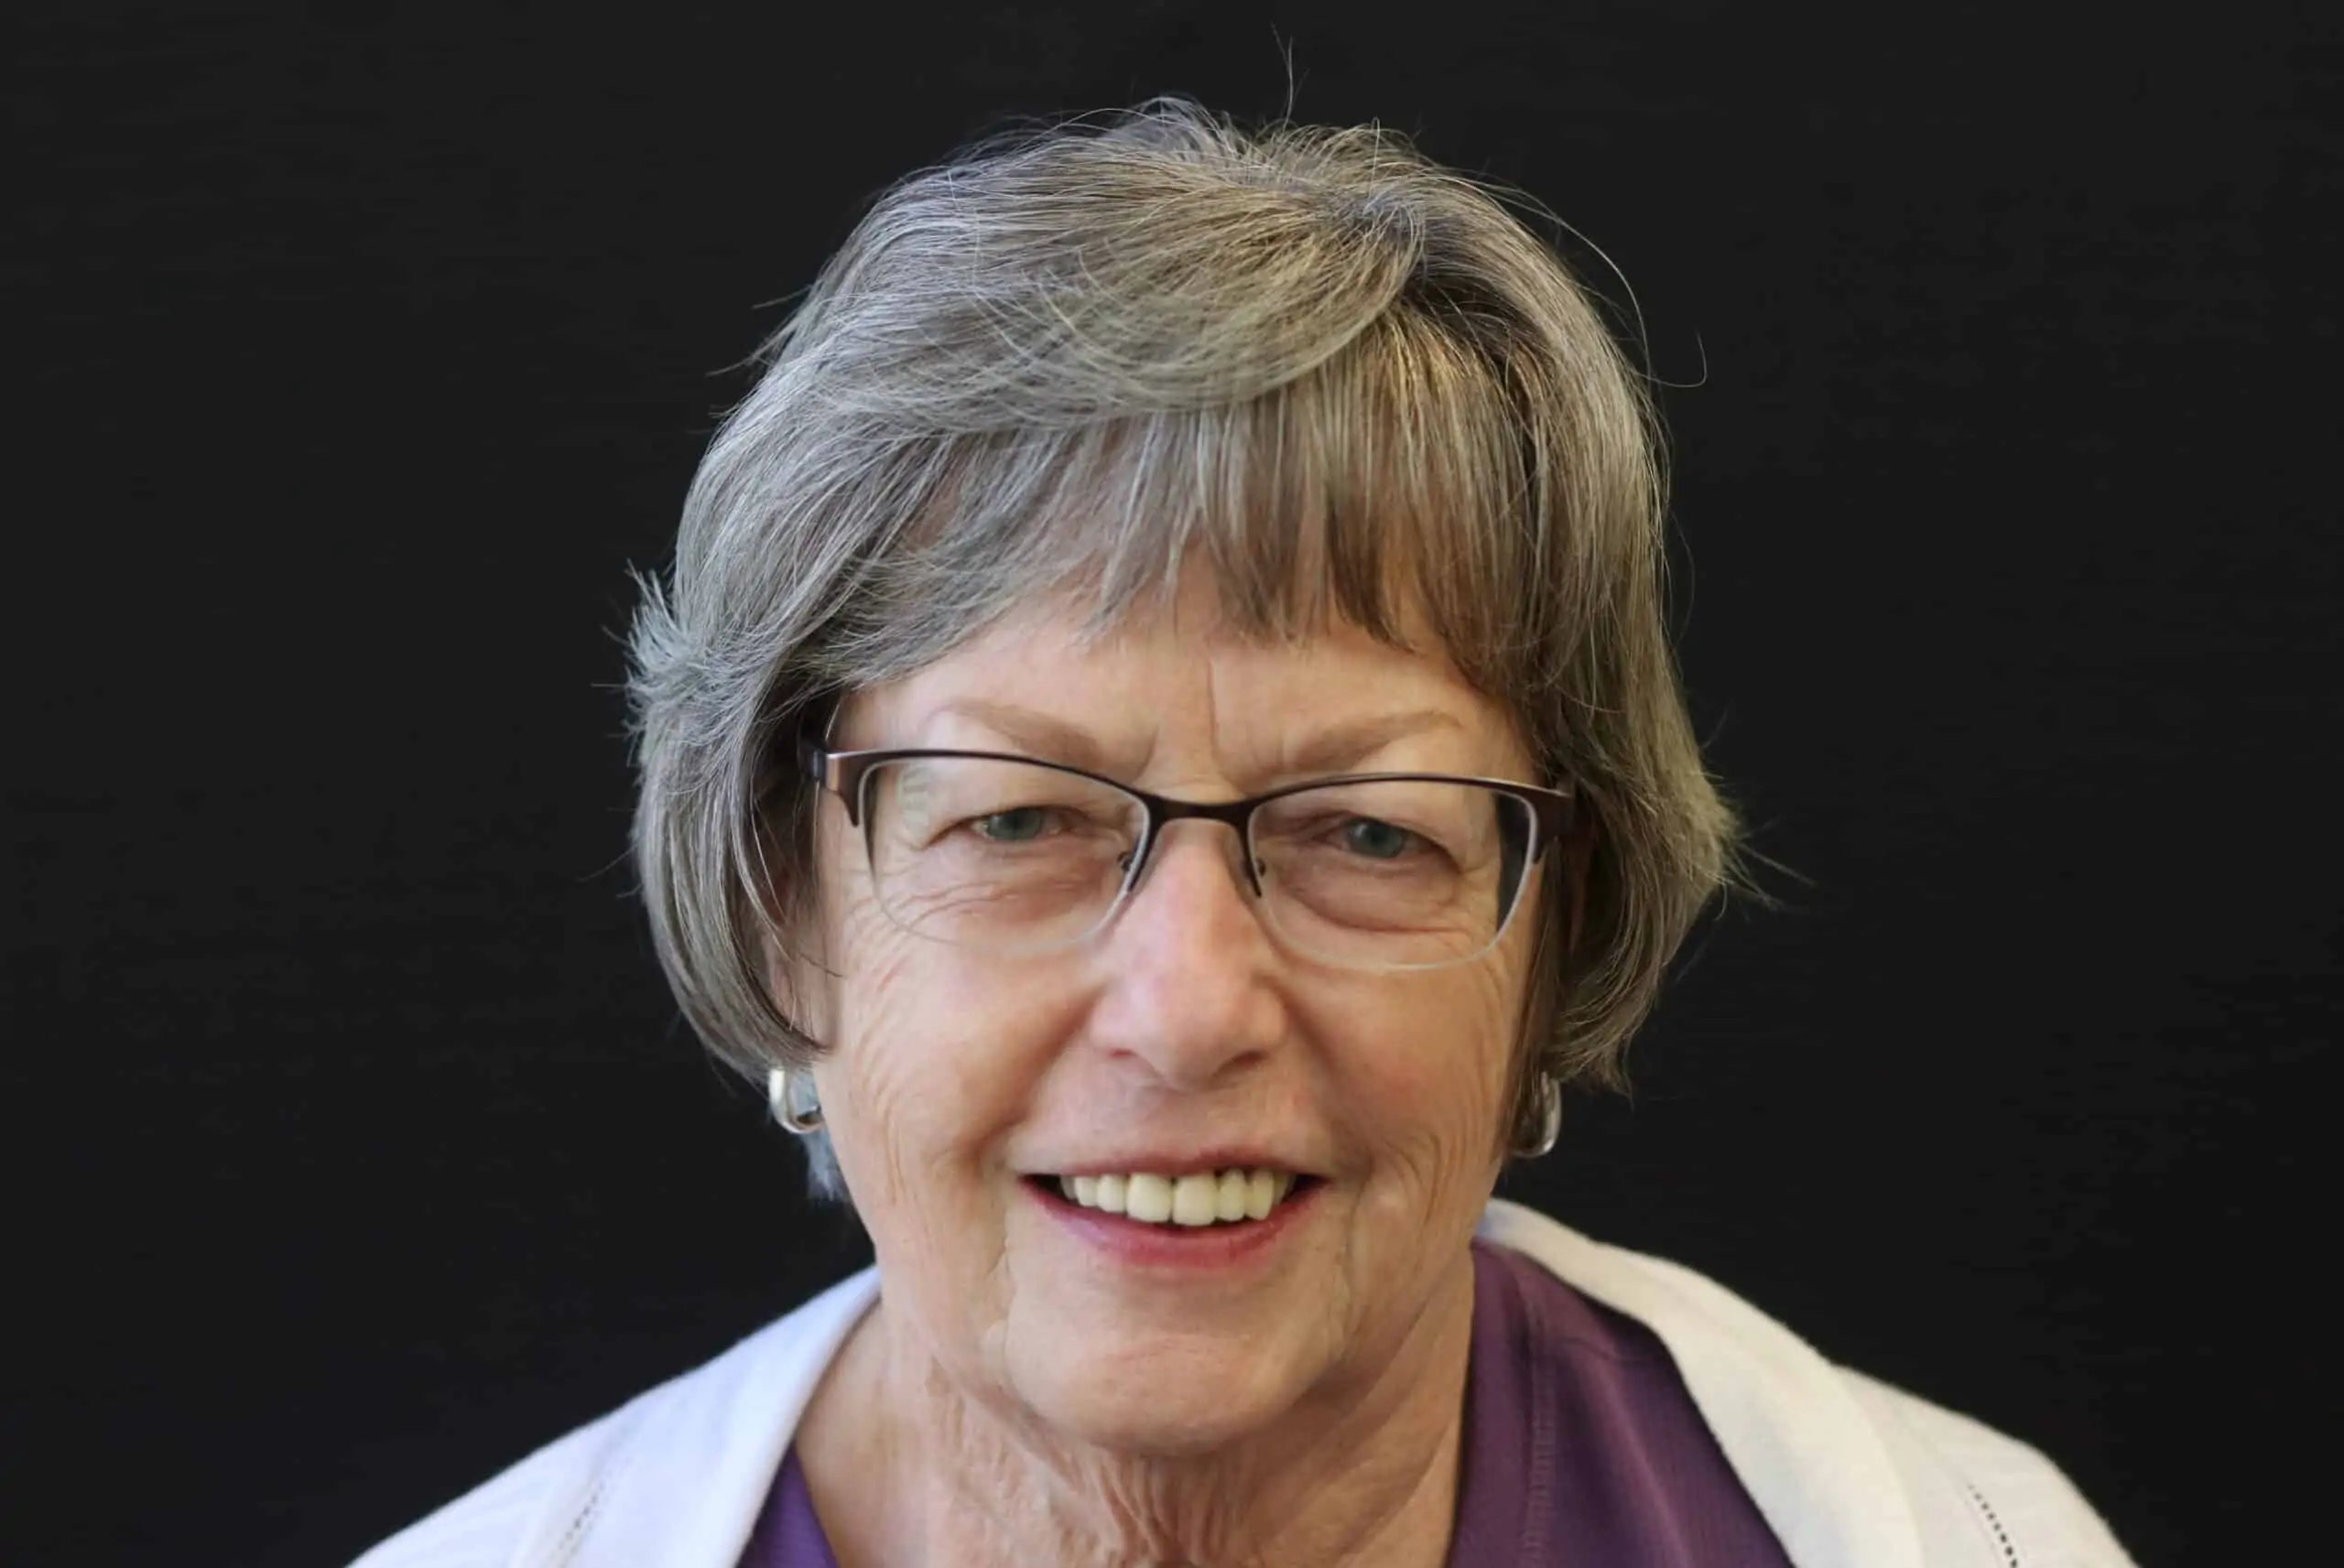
1395	486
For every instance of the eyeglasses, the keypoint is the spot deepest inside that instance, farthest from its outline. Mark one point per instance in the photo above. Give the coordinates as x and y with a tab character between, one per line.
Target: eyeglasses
1015	855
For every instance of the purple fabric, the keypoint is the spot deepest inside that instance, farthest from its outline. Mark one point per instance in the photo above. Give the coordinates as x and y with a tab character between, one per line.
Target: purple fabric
1583	1448
787	1534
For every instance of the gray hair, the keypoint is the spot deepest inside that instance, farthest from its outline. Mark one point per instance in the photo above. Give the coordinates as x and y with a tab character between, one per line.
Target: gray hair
1065	358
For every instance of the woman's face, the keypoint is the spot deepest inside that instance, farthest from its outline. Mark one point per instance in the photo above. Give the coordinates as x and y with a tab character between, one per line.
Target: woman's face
961	1084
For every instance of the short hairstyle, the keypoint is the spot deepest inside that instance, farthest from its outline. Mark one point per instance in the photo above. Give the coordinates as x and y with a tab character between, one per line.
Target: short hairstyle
1071	357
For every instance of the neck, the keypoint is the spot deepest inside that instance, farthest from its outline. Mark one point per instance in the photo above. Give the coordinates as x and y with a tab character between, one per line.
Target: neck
918	1470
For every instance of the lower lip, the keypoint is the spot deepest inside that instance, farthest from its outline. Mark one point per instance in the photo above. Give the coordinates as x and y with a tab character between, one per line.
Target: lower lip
1136	1243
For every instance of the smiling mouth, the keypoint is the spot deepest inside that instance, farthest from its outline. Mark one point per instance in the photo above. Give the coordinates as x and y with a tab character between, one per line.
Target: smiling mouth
1234	1196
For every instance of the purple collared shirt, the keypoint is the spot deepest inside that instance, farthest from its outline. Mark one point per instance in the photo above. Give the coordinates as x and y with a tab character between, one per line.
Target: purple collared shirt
1582	1448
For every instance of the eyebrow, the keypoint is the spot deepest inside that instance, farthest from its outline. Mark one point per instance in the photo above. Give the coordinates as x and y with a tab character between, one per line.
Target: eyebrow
1053	740
1334	749
1341	746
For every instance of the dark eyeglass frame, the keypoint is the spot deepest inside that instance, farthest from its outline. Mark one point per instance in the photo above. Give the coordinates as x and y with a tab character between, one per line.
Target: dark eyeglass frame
1553	812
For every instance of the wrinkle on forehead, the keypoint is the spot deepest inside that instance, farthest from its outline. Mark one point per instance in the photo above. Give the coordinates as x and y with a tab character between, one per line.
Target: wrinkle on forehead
1197	704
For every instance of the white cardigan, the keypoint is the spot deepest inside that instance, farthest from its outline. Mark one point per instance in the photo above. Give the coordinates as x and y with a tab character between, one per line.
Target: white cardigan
1849	1472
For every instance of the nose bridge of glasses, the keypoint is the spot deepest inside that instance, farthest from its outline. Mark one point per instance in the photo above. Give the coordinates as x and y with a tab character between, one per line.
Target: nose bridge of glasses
1234	815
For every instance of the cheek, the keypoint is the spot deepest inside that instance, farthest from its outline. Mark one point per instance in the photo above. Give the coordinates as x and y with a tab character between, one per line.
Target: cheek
1424	1063
899	1072
933	1062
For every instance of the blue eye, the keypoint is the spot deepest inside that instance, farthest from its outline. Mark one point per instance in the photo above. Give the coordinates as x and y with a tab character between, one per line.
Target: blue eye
1016	826
1376	840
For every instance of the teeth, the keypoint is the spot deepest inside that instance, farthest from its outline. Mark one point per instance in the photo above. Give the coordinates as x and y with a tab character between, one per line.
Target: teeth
1229	1196
1148	1198
1199	1199
1196	1199
1261	1192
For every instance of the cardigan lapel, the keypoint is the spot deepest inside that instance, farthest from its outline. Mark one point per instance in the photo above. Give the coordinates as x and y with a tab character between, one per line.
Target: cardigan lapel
682	1485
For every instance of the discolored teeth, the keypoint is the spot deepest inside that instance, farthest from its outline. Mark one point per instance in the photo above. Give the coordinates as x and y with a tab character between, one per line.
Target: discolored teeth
1204	1198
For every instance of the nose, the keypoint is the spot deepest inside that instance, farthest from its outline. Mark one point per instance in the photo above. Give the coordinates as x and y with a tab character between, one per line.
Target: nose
1190	992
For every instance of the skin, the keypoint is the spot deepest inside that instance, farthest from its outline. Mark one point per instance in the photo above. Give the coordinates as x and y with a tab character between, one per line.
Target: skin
1017	1398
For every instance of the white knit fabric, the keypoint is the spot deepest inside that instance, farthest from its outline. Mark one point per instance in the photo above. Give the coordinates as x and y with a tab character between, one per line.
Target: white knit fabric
1849	1472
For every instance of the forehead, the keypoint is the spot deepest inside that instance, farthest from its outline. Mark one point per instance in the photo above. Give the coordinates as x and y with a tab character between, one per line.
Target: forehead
1186	676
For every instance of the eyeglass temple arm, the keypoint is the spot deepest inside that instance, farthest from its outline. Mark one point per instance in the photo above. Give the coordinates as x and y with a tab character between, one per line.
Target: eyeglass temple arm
814	756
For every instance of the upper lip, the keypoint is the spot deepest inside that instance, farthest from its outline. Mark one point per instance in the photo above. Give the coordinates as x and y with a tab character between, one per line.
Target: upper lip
1190	1163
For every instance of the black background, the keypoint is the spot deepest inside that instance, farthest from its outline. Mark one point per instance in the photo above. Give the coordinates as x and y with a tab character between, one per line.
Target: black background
359	1148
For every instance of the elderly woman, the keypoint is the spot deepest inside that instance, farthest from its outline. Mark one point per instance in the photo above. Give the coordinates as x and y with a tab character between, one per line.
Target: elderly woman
1161	744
